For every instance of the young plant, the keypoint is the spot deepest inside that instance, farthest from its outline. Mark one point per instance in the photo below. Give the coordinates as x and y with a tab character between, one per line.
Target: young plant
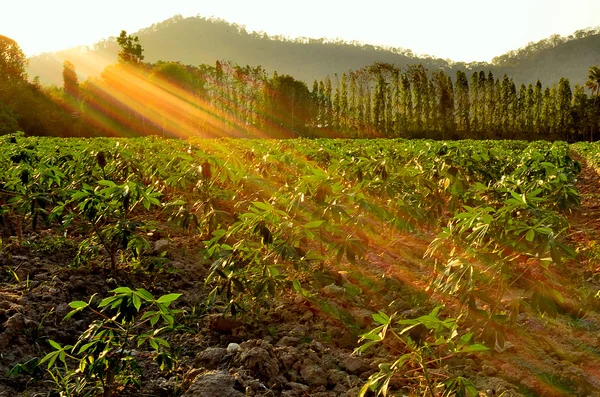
106	354
109	210
248	268
424	344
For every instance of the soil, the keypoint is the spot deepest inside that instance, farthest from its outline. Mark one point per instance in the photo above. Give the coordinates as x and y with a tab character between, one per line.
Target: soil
297	347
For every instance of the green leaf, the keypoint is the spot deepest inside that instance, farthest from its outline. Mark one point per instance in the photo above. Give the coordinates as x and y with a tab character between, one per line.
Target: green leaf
86	346
381	318
296	285
148	314
520	198
262	205
313	224
137	302
372	336
466	338
167	299
163	342
474	348
530	235
122	290
557	296
78	304
51	357
365	346
109	300
153	343
107	183
54	344
145	294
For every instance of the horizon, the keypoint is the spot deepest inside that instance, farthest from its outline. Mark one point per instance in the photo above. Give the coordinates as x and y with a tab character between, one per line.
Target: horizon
445	41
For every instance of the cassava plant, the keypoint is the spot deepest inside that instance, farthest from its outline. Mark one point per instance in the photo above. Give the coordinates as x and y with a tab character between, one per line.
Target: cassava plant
424	345
128	325
109	210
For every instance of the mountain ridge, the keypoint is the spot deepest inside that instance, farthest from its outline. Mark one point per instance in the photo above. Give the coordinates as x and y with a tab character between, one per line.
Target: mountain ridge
198	40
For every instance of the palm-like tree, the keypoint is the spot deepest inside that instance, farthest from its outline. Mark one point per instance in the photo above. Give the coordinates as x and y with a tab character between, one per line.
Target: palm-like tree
593	83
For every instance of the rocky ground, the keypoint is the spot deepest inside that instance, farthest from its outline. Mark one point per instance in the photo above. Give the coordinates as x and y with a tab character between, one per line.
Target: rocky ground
295	347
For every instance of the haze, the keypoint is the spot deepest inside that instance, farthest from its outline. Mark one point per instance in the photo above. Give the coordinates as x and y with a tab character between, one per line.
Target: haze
461	30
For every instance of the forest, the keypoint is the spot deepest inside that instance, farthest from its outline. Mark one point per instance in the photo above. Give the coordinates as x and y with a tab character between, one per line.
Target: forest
133	98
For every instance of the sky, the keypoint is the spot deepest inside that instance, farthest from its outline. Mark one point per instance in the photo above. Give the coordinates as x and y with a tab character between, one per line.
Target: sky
460	30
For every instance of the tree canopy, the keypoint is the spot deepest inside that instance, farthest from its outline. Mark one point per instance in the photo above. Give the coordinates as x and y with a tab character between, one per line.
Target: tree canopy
131	49
12	60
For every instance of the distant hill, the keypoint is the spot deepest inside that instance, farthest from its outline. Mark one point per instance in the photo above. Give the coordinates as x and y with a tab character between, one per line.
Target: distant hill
198	40
553	58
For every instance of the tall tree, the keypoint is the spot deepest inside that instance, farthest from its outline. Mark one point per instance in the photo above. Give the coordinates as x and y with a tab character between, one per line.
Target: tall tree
462	103
593	80
12	60
503	108
353	103
131	49
475	120
406	102
564	109
322	104
513	110
328	105
583	114
336	103
292	98
529	110
490	105
379	99
593	83
360	109
368	115
420	90
521	124
70	81
389	111
398	115
343	118
537	108
482	91
445	103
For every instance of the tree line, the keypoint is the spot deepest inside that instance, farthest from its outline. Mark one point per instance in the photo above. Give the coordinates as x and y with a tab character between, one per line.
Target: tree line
382	100
225	99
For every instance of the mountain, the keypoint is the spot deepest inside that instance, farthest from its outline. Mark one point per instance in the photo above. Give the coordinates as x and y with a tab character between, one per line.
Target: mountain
198	40
552	58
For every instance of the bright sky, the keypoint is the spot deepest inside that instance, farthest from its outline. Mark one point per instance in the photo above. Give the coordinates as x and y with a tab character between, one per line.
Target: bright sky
461	30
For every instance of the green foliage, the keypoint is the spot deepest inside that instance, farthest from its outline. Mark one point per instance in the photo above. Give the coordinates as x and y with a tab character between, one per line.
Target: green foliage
270	212
107	353
517	216
425	343
12	61
131	50
108	208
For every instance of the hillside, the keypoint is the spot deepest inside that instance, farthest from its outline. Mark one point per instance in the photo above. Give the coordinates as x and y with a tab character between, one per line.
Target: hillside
198	40
553	58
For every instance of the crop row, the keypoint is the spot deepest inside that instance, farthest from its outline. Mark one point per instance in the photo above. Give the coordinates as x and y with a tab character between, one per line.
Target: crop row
272	211
263	204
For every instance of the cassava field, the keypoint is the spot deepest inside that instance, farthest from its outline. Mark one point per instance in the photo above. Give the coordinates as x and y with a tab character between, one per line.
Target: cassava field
152	267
